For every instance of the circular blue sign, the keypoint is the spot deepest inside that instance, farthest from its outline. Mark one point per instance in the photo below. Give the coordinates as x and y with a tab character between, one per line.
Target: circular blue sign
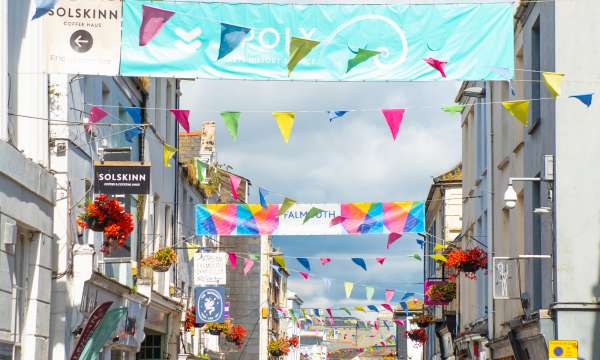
558	351
210	306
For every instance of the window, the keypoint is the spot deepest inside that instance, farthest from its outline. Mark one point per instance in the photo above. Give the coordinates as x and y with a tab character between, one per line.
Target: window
168	226
151	348
536	115
536	245
155	223
481	138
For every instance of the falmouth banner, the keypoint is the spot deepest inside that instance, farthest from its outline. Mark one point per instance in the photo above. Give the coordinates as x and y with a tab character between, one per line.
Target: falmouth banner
352	218
317	42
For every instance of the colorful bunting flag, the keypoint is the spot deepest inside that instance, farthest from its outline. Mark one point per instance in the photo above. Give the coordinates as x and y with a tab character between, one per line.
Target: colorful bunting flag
232	259
234	182
360	262
191	249
346	311
279	260
261	195
304	274
373	308
348	288
407	295
136	116
369	292
286	205
388	307
182	117
168	152
199	167
586	99
254	257
519	109
380	260
552	81
360	57
153	20
276	269
360	308
248	264
337	220
439	247
299	48
394	117
439	257
313	212
399	322
96	114
389	294
421	243
231	37
392	237
325	260
42	7
231	119
304	262
336	114
404	306
436	64
285	122
453	108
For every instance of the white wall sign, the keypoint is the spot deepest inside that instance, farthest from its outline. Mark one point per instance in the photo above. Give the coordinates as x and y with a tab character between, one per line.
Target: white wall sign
82	35
506	279
210	268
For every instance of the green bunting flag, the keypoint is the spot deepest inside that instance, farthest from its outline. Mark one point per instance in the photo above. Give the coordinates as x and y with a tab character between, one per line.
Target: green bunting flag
299	48
231	118
287	204
346	310
453	108
311	214
360	56
254	257
199	170
416	257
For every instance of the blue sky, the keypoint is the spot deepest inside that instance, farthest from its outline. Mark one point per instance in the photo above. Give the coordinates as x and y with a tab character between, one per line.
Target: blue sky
351	159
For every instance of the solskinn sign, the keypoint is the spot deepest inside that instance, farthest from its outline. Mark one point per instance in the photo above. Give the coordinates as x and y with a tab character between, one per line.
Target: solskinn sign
121	177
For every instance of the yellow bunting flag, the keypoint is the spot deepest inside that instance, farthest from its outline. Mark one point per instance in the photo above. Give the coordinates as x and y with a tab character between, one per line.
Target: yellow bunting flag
519	109
286	205
439	247
285	121
279	260
168	152
348	286
552	81
360	308
191	249
439	257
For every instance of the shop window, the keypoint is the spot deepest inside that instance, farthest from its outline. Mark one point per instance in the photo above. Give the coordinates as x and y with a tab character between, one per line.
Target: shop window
151	348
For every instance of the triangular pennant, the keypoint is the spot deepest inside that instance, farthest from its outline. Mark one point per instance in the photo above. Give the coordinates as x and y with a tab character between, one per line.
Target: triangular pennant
436	64
276	269
299	48
231	37
389	294
337	220
369	292
191	249
96	114
360	308
453	108
360	262
439	247
346	310
404	306
285	122
361	56
586	99
286	205
199	168
232	259
348	288
42	7
254	257
519	109
182	117
261	195
388	307
394	117
136	116
421	243
373	308
399	322
325	260
552	81
248	264
279	260
392	237
380	260
153	20
303	274
407	296
231	119
336	114
234	182
416	257
313	212
304	262
439	257
168	152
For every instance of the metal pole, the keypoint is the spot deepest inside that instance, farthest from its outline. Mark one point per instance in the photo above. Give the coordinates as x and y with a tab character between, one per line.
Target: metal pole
490	210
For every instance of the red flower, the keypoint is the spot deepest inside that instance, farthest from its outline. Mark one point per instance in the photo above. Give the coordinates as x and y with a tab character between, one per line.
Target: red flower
467	261
418	335
294	341
190	318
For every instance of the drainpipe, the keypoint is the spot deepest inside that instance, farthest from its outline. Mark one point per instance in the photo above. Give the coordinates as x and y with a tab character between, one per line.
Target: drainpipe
490	208
176	192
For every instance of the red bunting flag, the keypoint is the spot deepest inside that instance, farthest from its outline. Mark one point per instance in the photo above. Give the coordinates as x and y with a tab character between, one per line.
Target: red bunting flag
337	220
399	322
153	19
380	260
182	117
232	259
392	237
304	274
436	64
234	181
388	307
394	117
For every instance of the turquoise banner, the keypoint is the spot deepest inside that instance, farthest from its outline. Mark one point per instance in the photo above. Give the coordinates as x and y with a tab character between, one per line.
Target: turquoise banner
474	39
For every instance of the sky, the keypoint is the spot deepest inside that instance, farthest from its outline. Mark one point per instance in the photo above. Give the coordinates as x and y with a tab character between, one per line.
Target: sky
351	159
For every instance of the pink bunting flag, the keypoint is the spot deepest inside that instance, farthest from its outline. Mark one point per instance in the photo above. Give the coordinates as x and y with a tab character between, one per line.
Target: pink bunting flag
183	118
376	324
330	313
389	294
392	237
248	264
325	260
382	343
304	274
380	260
436	64
234	181
232	259
337	220
394	117
96	114
388	307
153	19
399	322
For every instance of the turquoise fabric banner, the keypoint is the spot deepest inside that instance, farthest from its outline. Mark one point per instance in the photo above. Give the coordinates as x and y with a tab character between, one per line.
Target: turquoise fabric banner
474	39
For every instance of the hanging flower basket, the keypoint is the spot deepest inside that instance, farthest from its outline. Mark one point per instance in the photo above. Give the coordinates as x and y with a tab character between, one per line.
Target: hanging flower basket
236	334
216	328
161	260
423	320
467	261
108	216
417	335
439	292
190	318
279	347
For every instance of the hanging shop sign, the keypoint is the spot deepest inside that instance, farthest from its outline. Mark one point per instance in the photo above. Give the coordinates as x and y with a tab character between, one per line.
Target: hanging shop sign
563	349
253	40
210	268
83	37
210	304
121	177
356	218
92	323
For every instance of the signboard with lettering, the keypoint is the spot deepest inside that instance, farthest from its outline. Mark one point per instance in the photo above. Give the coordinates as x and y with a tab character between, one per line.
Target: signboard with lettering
210	268
83	36
210	304
563	349
121	177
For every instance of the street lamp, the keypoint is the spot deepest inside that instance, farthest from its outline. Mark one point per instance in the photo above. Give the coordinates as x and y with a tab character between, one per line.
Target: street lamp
510	195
